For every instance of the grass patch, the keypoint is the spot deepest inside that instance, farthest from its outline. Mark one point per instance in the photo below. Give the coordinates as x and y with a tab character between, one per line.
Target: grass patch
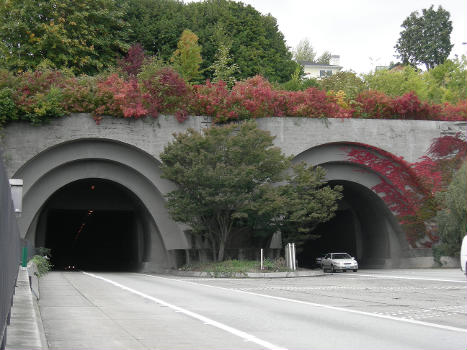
233	268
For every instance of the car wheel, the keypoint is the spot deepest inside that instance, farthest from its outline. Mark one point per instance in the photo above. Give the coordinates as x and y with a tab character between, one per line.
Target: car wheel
355	270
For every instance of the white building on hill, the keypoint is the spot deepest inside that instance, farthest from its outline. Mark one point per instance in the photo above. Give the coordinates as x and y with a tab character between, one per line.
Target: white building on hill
318	70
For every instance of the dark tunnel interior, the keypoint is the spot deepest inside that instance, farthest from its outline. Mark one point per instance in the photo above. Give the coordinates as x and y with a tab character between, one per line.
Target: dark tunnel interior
94	225
358	228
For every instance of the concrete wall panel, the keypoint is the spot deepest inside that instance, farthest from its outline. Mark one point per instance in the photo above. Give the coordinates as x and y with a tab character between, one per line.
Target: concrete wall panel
127	151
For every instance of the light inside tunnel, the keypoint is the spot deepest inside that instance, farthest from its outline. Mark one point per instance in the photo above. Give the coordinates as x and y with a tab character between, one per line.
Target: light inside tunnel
94	224
362	227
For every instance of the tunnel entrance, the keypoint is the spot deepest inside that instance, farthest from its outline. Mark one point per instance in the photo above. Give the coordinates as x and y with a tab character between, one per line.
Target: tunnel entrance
94	224
360	227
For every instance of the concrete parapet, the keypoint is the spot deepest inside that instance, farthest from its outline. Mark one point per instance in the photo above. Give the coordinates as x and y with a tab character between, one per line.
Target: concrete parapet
25	330
33	273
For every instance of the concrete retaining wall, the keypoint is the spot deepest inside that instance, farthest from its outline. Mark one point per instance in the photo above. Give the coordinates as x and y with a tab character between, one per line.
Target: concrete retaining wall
127	152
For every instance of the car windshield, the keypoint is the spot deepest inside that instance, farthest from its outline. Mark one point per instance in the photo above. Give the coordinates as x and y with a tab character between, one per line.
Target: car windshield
341	256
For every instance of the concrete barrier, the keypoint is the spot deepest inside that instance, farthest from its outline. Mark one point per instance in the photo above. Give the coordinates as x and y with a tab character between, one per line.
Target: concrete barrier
33	273
25	330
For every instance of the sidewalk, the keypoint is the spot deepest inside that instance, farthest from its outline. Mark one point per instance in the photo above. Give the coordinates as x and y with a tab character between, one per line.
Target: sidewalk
25	331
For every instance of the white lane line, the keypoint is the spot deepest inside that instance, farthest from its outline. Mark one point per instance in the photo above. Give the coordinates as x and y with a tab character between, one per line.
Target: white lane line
336	308
245	336
407	278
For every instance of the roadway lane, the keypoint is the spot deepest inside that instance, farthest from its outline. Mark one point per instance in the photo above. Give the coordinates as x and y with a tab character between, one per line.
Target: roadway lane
155	312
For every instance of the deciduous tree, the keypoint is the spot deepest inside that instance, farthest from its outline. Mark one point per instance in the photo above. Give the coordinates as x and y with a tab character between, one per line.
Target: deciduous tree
223	67
85	36
304	51
325	58
257	45
225	178
298	206
425	39
187	58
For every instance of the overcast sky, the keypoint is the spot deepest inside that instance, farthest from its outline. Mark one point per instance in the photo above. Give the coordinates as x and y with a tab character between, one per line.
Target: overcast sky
362	32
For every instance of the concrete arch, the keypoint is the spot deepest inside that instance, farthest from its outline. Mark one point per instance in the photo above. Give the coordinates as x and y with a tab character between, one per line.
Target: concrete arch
126	165
380	240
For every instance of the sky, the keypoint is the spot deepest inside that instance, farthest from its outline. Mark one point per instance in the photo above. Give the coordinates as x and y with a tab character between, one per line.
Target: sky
362	32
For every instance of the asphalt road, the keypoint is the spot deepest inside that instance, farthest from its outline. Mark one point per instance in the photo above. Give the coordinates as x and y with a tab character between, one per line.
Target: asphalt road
373	309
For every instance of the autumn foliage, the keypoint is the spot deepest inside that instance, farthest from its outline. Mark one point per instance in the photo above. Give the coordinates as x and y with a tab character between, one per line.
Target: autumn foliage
409	189
44	94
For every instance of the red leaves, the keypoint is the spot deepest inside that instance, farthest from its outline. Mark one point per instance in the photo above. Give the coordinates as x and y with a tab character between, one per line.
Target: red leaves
409	189
133	61
256	98
213	99
164	91
448	146
373	104
450	112
376	105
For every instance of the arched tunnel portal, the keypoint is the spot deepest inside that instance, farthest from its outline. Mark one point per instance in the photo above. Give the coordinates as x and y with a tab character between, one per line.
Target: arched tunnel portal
363	225
94	224
99	205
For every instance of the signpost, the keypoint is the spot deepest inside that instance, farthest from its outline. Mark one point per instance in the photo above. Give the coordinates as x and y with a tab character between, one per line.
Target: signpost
290	256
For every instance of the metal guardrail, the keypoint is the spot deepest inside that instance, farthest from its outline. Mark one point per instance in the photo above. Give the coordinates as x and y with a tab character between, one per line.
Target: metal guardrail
9	253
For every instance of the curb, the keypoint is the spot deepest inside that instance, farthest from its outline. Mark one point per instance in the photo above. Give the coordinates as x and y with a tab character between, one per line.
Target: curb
288	274
25	330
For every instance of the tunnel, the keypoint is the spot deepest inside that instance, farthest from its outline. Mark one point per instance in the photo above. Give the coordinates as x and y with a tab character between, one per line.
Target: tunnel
94	225
362	227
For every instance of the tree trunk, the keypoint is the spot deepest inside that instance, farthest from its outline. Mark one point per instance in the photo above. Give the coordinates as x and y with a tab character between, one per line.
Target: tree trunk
220	256
214	249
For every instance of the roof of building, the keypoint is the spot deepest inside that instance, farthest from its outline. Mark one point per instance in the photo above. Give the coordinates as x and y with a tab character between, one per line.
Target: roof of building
308	63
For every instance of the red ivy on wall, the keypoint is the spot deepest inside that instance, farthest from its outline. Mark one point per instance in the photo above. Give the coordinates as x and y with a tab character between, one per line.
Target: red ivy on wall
409	189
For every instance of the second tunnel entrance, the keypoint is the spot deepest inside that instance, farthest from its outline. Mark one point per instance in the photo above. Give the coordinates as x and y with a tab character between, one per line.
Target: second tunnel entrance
94	224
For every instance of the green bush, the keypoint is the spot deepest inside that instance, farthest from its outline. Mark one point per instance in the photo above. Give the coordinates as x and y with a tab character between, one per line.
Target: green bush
45	106
43	264
233	268
8	109
397	82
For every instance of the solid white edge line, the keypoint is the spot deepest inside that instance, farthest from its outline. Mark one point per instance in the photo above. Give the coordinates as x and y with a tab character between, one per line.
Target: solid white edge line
407	278
336	308
245	336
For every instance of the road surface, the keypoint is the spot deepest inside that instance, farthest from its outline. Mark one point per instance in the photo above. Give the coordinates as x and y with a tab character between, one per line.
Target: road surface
372	309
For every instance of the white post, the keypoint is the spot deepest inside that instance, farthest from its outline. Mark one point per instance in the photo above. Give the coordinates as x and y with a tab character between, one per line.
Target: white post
294	265
288	255
262	256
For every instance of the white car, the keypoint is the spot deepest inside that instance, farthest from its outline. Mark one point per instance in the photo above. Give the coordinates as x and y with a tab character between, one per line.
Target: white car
339	262
463	255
